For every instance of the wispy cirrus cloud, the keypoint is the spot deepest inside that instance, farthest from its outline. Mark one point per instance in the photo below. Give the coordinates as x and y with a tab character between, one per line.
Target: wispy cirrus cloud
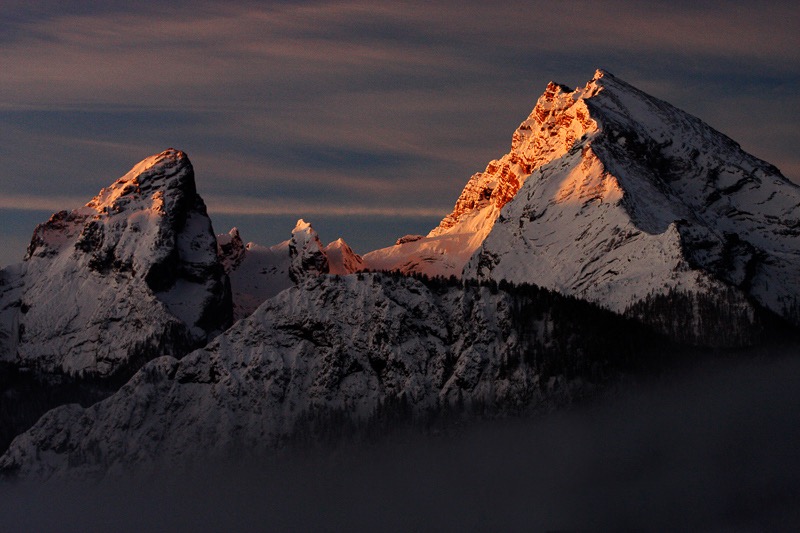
233	205
249	206
30	202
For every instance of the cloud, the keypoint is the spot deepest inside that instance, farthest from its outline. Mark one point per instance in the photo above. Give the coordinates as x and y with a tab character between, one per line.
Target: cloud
136	57
29	202
232	205
250	206
179	56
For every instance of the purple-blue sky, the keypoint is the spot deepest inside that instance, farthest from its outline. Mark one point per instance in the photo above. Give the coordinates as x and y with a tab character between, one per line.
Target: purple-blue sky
365	118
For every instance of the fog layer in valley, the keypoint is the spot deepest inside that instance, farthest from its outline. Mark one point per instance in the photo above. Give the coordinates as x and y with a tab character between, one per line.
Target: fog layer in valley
712	448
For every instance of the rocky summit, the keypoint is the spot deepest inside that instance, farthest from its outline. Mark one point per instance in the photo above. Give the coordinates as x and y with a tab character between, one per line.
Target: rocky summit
614	196
131	275
646	201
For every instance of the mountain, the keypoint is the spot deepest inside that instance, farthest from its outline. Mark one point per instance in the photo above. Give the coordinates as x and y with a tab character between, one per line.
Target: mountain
610	203
342	260
617	197
258	273
647	200
104	288
131	275
446	249
335	351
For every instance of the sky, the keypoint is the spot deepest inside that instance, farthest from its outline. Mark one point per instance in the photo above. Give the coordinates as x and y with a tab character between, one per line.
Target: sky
364	118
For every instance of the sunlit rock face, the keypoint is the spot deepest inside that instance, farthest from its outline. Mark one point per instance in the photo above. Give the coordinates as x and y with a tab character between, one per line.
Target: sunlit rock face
132	275
549	133
642	202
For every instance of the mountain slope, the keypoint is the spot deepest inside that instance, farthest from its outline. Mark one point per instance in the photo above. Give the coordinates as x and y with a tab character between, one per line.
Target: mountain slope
345	345
647	200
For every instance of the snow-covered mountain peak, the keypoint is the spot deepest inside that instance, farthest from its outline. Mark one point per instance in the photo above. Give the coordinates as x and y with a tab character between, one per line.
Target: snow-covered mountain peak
616	196
302	226
557	123
143	250
306	252
131	225
342	259
634	199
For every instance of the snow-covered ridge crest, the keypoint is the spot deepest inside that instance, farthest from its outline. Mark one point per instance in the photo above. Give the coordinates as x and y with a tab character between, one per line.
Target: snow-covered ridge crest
132	274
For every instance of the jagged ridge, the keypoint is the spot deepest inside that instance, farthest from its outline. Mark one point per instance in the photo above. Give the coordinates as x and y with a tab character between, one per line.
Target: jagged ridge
351	344
258	273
